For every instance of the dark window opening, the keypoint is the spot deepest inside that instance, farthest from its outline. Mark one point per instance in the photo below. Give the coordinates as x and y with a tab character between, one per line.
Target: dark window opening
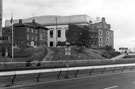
51	33
51	44
59	33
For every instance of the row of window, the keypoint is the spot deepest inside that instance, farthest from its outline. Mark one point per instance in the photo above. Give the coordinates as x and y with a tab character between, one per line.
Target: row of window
101	33
32	37
31	30
52	33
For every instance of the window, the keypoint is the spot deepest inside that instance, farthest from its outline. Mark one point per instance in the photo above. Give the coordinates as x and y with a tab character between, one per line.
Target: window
28	37
100	32
36	38
100	39
32	30
35	31
59	33
51	33
107	40
41	37
107	33
51	44
32	38
28	29
91	42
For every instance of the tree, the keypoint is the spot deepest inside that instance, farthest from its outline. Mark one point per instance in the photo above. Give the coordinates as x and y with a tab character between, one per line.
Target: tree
78	35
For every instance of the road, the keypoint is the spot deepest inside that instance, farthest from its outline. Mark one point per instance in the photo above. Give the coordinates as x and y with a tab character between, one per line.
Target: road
118	80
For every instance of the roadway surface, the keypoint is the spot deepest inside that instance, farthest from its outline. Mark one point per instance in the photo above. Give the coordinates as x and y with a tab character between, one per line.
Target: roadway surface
108	80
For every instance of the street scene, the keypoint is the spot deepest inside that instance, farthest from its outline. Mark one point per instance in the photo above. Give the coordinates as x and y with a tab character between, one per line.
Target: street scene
67	44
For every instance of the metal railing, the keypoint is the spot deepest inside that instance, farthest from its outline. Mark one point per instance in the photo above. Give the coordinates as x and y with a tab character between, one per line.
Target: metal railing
60	70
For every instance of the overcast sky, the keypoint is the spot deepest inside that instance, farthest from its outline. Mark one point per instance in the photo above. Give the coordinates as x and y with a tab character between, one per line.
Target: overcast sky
119	13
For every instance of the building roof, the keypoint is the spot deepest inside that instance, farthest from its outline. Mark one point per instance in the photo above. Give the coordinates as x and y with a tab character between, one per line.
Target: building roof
86	27
55	19
32	24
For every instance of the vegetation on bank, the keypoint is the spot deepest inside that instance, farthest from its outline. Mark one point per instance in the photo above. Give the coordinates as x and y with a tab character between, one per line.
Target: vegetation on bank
28	54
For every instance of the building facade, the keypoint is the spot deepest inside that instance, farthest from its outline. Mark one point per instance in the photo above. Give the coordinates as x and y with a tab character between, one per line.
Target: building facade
58	25
27	34
105	34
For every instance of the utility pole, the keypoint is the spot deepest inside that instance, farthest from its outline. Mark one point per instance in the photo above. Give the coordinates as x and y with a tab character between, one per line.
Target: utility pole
12	35
56	30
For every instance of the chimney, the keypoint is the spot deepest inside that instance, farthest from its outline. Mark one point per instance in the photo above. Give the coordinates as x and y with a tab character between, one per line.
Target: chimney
20	21
33	21
103	19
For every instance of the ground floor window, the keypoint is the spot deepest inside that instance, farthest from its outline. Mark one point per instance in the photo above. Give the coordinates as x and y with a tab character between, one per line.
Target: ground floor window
51	44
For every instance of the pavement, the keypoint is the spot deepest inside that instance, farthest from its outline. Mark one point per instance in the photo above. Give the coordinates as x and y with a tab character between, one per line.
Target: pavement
108	80
119	56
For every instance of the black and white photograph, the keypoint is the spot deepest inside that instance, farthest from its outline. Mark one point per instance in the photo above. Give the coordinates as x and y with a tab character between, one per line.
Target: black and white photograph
67	44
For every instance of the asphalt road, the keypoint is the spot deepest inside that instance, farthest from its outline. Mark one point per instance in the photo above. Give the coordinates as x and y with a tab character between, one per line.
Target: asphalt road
125	80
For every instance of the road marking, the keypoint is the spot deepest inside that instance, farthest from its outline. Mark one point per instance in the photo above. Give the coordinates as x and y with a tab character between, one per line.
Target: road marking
111	87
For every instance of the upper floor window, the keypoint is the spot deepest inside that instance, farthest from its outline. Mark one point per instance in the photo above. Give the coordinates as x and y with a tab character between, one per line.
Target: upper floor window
36	38
100	32
35	31
32	30
51	33
59	33
32	38
28	37
28	29
107	33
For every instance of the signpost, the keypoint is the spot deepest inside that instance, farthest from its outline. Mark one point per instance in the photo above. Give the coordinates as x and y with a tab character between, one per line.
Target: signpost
67	54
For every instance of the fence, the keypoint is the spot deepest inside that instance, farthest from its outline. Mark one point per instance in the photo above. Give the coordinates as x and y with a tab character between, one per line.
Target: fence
77	69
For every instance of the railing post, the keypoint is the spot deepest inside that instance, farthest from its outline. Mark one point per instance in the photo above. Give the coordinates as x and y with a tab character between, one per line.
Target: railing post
76	73
59	74
66	75
38	77
13	79
103	70
90	73
113	69
123	68
131	67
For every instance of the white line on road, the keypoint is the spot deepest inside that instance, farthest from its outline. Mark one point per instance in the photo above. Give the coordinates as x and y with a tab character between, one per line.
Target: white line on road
111	87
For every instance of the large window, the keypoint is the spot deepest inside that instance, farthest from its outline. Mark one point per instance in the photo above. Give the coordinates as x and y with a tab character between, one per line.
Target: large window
59	33
28	37
51	44
100	32
51	33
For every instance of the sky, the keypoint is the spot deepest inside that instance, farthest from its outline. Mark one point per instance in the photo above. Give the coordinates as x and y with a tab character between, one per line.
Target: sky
120	14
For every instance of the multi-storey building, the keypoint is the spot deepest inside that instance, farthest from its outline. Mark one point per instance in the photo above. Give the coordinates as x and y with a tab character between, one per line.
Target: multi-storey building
1	18
57	25
105	34
26	34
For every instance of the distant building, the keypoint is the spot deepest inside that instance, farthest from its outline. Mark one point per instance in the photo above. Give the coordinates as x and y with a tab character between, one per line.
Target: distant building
105	34
1	4
57	25
27	34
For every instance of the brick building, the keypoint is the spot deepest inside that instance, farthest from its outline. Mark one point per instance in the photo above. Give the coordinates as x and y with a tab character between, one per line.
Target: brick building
27	34
105	34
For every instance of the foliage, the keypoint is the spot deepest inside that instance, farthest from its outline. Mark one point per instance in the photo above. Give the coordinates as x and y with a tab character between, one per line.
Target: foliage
78	36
